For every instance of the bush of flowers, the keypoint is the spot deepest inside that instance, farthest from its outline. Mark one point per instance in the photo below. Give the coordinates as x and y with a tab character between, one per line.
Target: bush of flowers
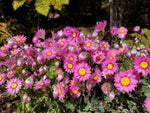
74	72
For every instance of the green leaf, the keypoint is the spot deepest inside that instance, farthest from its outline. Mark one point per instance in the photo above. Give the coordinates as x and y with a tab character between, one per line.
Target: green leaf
147	93
101	108
70	106
63	1
42	6
18	3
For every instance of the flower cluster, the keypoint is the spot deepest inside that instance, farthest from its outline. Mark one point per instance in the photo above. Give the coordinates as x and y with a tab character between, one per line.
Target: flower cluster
83	62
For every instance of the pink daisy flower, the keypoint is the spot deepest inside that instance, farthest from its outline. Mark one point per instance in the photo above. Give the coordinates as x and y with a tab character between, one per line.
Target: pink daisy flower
88	44
104	46
98	57
95	78
62	43
29	81
124	82
113	52
48	54
2	78
100	26
82	72
3	54
106	88
75	91
134	74
13	85
110	67
69	66
122	30
67	30
74	35
142	65
98	72
74	82
58	91
114	30
19	39
147	104
42	83
72	57
10	74
49	43
15	51
136	28
40	33
4	48
123	49
31	52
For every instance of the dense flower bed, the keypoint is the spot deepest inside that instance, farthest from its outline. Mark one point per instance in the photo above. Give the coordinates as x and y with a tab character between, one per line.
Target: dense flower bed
70	67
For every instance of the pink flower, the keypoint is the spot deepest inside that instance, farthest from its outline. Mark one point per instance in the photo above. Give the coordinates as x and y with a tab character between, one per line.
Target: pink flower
124	81
72	57
4	48
147	104
75	91
114	30
58	91
62	43
104	46
110	67
111	95
15	51
42	83
136	28
31	52
49	43
19	39
13	85
73	82
100	26
10	74
74	35
98	57
106	88
89	85
2	78
142	65
69	66
82	72
88	44
48	54
40	33
122	30
67	30
95	78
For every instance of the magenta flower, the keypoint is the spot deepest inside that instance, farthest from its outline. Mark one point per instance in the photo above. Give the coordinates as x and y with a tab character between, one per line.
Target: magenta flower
42	83
110	67
122	30
62	43
98	57
82	72
74	82
31	52
142	65
69	66
67	30
72	57
88	44
19	39
48	54
49	43
10	74
100	26
13	85
95	78
75	91
29	82
74	35
106	88
124	81
58	91
136	28
15	51
2	78
147	104
104	46
114	30
40	33
4	48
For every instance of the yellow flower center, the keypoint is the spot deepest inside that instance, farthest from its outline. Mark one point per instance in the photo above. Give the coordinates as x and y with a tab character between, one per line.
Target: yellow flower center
72	82
67	30
105	73
88	44
125	81
10	73
42	44
48	53
144	65
109	66
95	77
113	54
104	45
13	85
74	34
50	44
41	84
106	88
59	91
58	72
0	78
110	57
62	43
75	91
82	71
122	49
122	31
70	66
18	39
3	49
14	51
31	53
71	58
99	57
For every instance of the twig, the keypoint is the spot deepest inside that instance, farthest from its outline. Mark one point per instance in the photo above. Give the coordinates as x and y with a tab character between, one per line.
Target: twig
3	17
